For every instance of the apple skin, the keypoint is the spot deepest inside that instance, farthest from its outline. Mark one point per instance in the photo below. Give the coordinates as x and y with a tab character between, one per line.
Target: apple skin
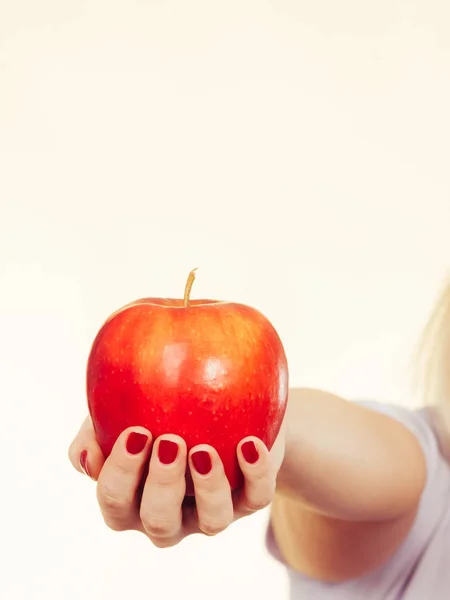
211	372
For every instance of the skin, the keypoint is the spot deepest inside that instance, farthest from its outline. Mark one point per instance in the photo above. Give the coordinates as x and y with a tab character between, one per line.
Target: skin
161	514
349	487
344	483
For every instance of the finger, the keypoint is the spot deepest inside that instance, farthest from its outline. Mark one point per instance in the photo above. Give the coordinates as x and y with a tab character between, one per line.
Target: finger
259	477
85	454
120	477
162	498
164	490
212	490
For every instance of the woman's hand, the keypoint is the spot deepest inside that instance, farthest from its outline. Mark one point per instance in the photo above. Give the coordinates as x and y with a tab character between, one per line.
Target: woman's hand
149	496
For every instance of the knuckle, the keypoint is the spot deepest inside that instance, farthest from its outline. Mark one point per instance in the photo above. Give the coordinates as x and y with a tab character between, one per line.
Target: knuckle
259	494
158	530
162	481
110	502
155	529
253	505
212	527
123	468
260	504
115	524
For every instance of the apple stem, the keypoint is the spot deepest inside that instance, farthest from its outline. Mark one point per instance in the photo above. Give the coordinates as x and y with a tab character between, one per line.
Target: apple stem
188	288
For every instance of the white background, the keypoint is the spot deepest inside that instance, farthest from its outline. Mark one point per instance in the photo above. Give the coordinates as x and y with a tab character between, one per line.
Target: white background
297	152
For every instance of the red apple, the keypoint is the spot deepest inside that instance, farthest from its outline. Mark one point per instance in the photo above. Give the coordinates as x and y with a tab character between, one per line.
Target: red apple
212	372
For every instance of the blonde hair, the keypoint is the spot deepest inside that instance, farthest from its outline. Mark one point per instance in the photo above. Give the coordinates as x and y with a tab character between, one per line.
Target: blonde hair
433	367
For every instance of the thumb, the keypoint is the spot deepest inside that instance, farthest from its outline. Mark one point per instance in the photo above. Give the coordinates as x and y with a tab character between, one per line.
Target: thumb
85	454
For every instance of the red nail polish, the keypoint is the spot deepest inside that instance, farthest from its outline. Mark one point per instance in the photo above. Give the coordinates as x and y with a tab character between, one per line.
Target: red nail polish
84	463
202	462
136	442
249	452
167	451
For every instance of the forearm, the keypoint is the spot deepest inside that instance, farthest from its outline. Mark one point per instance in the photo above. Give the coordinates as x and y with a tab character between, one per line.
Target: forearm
348	462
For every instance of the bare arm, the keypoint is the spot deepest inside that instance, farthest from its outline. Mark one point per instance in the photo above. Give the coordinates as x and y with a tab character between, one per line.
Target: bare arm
348	489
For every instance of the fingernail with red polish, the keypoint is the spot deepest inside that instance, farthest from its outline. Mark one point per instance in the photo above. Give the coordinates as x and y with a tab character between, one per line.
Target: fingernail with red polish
84	463
136	442
249	452
167	451
202	462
